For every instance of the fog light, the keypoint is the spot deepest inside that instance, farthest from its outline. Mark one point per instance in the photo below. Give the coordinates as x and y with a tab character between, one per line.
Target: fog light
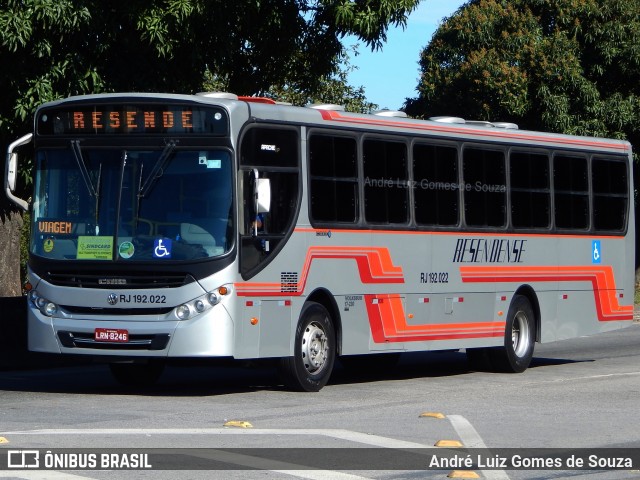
183	312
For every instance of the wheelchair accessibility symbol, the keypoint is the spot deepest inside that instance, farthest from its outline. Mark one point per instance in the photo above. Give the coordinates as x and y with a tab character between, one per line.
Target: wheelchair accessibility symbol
162	248
596	252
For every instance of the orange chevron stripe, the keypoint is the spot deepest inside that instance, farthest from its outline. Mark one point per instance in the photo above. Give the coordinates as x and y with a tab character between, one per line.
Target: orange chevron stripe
388	323
601	277
374	264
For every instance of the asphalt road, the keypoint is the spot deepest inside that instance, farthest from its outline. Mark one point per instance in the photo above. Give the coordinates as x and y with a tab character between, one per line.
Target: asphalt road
578	394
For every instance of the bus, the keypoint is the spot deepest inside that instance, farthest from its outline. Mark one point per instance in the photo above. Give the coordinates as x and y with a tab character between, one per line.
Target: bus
170	227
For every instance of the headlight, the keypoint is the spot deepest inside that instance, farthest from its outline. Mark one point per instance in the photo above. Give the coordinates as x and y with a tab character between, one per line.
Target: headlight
45	306
201	304
213	298
183	312
50	309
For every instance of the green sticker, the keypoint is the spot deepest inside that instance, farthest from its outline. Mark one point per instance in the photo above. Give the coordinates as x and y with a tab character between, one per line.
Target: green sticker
48	245
126	250
95	248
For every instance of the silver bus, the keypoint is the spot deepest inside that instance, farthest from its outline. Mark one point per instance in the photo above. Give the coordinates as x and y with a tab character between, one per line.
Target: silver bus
215	226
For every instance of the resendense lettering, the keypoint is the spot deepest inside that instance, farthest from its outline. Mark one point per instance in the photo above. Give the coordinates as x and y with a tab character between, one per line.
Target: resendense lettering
483	250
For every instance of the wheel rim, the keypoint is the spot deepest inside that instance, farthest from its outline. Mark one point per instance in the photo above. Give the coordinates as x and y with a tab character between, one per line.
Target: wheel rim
520	334
315	348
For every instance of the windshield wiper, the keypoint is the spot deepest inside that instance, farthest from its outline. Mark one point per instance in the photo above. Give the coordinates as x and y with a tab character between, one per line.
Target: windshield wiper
77	153
93	191
158	169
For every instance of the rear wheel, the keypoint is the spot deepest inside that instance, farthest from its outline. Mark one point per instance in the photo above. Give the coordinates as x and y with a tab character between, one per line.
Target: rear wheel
520	338
314	351
137	374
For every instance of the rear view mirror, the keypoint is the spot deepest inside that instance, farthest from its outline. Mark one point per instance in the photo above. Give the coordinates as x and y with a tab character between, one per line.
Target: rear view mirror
263	195
11	171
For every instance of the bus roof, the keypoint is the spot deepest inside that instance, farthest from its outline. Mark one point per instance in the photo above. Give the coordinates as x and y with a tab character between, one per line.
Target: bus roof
334	116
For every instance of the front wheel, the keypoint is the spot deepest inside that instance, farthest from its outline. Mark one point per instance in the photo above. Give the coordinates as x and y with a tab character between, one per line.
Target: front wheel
314	351
520	338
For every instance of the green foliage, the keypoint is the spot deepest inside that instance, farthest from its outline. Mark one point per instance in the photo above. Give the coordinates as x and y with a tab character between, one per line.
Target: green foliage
333	88
51	49
558	65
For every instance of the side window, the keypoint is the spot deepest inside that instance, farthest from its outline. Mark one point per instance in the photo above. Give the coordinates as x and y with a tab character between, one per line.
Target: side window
435	173
571	192
530	190
385	182
273	154
485	191
610	181
333	175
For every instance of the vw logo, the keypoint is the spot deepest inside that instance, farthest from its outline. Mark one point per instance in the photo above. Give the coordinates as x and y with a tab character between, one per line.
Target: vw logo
112	299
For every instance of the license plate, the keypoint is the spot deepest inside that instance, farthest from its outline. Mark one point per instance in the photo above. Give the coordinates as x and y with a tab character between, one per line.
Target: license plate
111	335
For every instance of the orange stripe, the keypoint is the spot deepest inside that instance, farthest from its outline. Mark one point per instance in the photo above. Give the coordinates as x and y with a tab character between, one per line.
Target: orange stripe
602	279
387	319
374	265
337	116
455	233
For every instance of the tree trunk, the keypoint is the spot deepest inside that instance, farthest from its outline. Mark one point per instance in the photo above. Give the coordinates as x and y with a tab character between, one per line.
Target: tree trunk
13	314
10	228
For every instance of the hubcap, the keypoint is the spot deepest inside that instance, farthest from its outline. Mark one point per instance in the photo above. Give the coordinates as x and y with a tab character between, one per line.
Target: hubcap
520	334
315	348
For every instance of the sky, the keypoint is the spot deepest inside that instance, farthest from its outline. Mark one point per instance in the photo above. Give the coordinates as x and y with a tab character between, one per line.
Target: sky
390	75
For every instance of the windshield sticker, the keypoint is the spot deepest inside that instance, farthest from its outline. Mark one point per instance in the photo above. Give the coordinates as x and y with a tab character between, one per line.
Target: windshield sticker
47	246
203	160
162	248
126	250
95	248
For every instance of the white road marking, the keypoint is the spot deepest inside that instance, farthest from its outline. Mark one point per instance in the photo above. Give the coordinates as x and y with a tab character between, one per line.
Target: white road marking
248	461
276	466
589	377
41	475
349	435
472	439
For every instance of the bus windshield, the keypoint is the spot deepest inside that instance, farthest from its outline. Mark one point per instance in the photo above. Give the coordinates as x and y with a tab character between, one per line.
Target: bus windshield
132	205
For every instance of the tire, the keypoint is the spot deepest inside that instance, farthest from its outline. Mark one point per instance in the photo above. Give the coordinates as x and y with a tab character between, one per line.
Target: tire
314	351
137	374
519	339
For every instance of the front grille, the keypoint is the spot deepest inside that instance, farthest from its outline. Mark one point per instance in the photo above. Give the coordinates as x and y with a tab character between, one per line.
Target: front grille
157	341
113	282
116	311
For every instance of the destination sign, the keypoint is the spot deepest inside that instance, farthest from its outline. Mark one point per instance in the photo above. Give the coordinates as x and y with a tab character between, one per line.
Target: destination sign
132	119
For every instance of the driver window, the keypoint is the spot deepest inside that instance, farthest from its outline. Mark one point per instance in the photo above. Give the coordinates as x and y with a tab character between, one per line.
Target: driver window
274	154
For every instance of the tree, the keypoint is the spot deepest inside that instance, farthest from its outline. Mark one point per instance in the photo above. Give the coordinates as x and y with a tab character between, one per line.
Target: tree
51	49
555	65
565	66
332	88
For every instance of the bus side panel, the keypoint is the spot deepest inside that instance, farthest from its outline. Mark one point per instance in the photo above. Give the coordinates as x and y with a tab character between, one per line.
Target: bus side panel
592	280
356	331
